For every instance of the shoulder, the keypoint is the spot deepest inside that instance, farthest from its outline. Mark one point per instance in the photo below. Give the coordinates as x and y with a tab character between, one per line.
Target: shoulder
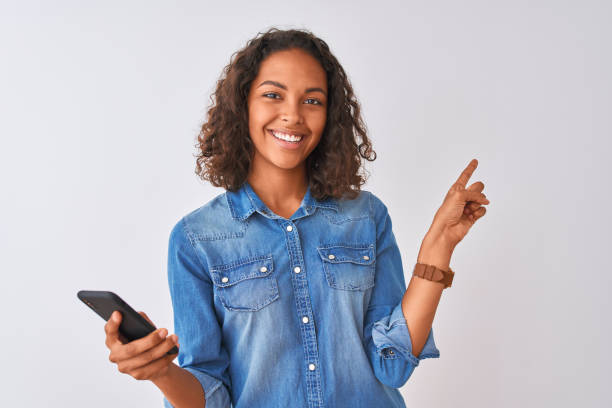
365	205
211	221
366	201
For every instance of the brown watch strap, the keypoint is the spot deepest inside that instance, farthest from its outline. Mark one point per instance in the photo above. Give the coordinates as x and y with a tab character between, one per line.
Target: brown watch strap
432	273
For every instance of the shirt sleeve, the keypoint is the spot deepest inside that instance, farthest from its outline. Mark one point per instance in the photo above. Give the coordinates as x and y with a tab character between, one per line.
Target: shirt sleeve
387	338
195	322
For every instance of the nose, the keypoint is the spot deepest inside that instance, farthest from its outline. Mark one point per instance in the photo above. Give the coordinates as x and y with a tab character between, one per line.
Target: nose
291	113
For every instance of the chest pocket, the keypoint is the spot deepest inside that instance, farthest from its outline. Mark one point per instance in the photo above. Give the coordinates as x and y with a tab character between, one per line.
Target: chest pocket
348	267
246	285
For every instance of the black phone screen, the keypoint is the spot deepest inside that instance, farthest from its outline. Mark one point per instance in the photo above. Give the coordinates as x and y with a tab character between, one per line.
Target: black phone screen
133	326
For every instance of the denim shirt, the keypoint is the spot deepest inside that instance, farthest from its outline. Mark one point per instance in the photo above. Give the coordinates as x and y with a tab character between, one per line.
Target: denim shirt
298	312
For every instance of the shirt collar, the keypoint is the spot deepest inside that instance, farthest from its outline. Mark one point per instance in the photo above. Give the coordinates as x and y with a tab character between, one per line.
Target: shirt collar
244	202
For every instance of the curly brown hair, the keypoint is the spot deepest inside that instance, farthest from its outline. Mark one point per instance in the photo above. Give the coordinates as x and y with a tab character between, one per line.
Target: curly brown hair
225	150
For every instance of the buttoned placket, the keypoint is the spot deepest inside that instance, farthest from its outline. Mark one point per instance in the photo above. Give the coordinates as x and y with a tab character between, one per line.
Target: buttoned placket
304	309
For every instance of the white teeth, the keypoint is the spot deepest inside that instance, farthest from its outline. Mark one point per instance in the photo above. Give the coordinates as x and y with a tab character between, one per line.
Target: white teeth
286	137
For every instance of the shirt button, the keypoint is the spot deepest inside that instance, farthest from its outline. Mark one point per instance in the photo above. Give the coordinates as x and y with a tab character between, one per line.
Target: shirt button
331	256
289	228
366	257
391	352
311	367
305	319
263	269
297	269
225	279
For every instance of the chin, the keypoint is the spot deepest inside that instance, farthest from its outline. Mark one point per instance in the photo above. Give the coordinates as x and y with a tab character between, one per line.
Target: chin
287	166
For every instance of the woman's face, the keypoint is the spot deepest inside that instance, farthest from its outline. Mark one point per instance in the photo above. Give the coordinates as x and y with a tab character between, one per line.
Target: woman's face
287	106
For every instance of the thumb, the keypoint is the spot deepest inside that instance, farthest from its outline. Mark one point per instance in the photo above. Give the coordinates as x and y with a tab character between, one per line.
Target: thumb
113	335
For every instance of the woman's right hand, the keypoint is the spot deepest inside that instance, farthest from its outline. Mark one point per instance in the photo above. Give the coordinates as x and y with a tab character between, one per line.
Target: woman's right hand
144	358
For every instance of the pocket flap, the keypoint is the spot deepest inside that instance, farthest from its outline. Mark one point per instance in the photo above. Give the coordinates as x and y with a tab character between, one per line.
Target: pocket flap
357	254
232	273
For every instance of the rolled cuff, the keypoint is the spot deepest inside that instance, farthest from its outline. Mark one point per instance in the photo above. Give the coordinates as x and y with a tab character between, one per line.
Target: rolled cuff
390	335
214	391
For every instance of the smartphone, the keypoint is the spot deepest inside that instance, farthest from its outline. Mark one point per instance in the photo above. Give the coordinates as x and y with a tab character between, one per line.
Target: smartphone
133	326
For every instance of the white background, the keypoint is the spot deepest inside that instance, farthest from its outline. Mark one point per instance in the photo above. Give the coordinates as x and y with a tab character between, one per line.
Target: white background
100	104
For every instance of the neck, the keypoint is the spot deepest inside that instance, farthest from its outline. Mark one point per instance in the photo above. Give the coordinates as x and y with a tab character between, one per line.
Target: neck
281	190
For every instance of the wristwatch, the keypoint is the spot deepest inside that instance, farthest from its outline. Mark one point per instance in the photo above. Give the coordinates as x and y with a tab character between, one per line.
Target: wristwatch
432	273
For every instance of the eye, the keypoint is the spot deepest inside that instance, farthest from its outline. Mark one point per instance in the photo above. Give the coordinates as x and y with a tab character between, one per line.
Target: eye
318	102
274	95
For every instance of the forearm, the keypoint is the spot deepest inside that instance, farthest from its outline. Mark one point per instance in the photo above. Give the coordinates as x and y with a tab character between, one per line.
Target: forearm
181	388
421	299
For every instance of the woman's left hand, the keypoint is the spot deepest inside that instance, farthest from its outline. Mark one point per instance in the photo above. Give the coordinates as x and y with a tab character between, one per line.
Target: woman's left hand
460	210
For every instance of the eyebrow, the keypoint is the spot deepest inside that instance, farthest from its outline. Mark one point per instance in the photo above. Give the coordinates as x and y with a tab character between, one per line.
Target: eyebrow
278	84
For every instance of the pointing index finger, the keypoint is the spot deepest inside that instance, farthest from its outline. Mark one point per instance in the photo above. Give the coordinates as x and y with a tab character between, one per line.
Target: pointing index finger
467	173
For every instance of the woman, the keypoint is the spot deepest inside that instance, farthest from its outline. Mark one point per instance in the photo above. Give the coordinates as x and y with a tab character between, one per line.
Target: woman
288	288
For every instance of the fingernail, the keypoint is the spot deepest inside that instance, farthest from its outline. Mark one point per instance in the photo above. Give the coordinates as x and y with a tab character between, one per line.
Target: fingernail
162	334
175	339
115	316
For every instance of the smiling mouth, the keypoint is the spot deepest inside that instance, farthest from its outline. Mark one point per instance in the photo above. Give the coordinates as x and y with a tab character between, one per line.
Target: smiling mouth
286	137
